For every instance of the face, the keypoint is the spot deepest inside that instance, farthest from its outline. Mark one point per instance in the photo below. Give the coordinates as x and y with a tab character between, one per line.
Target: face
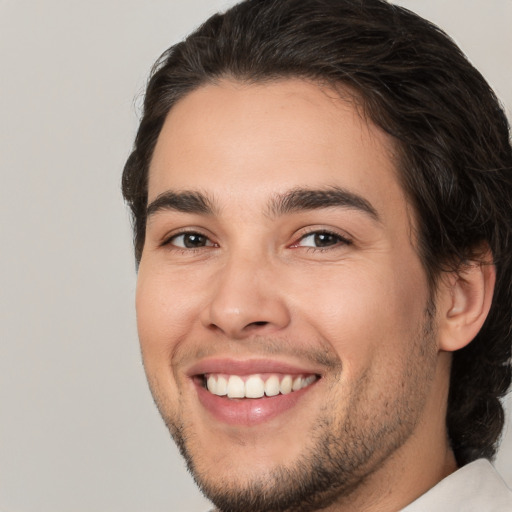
282	306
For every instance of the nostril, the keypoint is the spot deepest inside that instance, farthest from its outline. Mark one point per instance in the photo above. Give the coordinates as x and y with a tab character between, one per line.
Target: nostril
258	323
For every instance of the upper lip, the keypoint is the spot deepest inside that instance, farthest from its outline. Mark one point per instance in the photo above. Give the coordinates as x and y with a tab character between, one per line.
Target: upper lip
247	367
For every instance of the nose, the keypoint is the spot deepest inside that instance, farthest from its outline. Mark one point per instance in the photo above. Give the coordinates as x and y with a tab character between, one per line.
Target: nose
246	300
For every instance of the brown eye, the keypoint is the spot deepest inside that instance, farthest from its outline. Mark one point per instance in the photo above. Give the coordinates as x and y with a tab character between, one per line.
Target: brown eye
191	241
321	239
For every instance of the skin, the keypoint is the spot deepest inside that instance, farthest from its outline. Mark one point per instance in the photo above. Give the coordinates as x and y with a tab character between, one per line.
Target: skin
355	311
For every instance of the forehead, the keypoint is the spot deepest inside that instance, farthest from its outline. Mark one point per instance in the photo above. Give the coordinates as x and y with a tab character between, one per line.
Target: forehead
240	142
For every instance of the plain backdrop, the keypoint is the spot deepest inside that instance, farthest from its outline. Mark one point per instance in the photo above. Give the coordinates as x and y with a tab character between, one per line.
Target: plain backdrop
78	429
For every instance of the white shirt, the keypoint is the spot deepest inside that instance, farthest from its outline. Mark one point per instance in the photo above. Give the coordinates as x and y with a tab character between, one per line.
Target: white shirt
476	487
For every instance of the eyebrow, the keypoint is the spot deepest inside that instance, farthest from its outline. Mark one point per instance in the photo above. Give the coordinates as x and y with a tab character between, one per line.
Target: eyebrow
185	202
295	200
300	199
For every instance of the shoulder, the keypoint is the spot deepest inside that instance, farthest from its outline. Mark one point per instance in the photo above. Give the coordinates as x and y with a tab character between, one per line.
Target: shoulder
476	487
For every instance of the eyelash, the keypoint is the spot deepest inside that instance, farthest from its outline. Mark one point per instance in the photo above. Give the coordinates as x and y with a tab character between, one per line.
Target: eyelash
316	232
341	240
168	241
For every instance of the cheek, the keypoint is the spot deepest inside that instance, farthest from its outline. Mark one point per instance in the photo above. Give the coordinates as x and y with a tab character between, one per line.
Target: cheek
163	311
365	313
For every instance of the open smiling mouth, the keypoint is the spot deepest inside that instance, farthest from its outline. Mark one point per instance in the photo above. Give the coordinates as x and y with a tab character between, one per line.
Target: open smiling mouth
251	392
257	385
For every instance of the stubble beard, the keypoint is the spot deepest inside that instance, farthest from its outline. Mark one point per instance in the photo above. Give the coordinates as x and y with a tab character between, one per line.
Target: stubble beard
341	455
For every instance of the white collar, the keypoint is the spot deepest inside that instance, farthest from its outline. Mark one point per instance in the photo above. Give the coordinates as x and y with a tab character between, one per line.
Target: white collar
476	487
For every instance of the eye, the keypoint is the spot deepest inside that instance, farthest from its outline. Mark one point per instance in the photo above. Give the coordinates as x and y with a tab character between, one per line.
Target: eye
190	240
321	239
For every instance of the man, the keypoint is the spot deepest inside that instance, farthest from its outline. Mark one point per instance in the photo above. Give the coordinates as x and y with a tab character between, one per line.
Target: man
322	203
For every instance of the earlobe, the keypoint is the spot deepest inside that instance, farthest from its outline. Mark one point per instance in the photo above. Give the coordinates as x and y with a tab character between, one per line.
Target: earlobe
466	303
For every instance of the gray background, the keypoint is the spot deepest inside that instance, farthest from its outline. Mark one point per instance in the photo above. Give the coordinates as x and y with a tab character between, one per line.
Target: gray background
78	430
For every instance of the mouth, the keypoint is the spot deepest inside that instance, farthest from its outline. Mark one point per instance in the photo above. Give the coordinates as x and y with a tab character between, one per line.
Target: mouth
256	385
247	393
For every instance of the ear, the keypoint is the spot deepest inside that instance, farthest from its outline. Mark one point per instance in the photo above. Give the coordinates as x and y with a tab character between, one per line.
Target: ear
465	298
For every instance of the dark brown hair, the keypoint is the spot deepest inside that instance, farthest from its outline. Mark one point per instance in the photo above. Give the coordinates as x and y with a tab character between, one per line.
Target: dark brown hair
451	133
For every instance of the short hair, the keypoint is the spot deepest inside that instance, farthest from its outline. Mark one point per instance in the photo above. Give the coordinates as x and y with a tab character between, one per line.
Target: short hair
451	136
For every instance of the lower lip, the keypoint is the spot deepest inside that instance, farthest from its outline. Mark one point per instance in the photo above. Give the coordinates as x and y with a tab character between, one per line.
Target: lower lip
248	411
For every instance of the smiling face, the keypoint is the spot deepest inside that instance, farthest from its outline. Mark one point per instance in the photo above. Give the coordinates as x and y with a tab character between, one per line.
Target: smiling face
282	307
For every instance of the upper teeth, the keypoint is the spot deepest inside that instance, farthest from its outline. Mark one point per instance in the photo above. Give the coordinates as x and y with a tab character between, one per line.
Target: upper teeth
254	386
